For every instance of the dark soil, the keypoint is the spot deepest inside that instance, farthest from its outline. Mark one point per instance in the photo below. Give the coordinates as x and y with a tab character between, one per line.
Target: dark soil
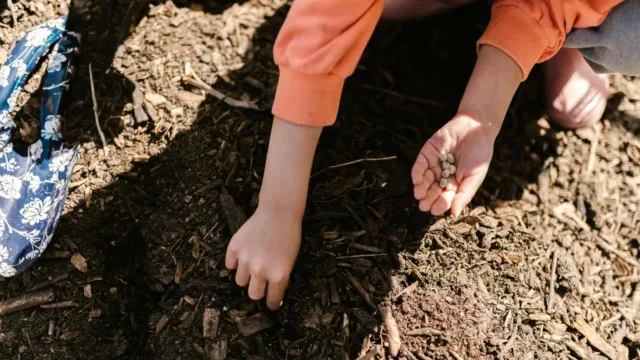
153	213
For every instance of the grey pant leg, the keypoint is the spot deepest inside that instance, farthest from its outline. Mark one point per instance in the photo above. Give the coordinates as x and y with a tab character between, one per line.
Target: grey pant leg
614	46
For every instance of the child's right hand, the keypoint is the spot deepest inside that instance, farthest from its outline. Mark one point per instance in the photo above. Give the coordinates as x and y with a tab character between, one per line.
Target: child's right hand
264	251
471	143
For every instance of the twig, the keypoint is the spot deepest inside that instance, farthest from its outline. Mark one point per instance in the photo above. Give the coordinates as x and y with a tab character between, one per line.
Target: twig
361	289
455	355
95	112
592	151
402	96
355	162
26	301
629	279
511	341
424	332
50	282
195	81
406	291
359	256
594	338
577	349
26	334
59	305
605	246
16	28
392	330
552	282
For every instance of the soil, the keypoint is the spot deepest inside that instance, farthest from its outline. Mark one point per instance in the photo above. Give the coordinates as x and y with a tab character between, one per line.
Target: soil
153	212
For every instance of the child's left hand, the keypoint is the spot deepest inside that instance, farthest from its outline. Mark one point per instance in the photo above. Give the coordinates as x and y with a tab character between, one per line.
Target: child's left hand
471	144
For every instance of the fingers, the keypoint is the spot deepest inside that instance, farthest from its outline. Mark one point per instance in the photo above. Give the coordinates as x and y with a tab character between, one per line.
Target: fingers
443	202
419	169
275	293
231	260
433	193
420	190
466	191
243	275
257	288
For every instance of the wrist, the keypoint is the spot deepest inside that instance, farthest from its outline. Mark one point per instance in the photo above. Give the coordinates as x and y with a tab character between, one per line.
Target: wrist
491	88
274	203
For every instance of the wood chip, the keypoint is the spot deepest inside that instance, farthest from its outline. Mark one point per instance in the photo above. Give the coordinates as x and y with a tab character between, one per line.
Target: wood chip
406	291
164	320
59	305
210	321
87	291
155	99
578	350
594	338
95	314
79	262
254	324
217	350
393	334
233	214
540	317
424	332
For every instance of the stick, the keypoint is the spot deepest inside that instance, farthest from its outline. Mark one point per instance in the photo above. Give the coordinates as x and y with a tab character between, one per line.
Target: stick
594	338
592	151
605	246
511	341
95	112
15	23
48	283
359	256
392	330
26	334
195	81
424	332
552	282
26	301
59	305
629	279
360	288
412	98
408	290
355	162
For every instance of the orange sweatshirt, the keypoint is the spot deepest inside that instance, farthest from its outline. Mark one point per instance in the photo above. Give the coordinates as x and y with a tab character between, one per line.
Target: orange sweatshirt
322	41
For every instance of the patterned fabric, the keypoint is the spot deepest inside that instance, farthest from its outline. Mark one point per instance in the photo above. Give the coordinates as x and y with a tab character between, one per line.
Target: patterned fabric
34	178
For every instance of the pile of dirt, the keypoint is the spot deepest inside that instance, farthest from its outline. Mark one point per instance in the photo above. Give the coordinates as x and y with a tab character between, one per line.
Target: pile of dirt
543	265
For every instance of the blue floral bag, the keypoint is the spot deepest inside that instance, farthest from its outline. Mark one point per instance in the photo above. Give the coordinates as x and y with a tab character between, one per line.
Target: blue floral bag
34	179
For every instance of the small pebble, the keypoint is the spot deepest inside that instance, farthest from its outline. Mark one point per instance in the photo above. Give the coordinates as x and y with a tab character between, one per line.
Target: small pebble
443	157
452	169
445	165
443	182
451	159
446	173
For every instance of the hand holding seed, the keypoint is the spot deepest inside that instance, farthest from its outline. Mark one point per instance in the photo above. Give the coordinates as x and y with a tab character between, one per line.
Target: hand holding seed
451	166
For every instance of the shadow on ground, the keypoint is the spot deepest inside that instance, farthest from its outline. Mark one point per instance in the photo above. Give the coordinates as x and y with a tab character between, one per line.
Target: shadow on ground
155	236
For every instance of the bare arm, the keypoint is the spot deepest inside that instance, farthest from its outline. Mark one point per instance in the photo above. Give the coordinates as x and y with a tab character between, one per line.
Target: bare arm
288	169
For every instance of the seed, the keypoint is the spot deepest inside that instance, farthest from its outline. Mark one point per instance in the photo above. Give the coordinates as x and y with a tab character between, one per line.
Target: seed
446	174
445	165
443	182
451	159
452	169
443	157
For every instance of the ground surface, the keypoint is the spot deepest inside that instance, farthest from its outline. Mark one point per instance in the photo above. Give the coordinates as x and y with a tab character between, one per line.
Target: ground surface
152	218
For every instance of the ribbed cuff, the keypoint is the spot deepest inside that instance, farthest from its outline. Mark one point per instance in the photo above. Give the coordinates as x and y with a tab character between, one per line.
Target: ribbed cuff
305	99
517	33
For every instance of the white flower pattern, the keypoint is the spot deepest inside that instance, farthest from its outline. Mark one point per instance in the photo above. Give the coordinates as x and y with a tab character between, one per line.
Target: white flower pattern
36	211
10	187
7	270
5	71
33	186
38	37
55	64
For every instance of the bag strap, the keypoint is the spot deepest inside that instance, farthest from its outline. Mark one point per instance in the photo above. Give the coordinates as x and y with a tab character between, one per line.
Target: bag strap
59	72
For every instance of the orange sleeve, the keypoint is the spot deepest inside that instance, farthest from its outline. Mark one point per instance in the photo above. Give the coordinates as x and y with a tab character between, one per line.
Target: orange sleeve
532	31
319	45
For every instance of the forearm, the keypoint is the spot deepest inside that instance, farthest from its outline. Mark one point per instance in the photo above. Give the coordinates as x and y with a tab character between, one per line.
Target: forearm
491	88
288	169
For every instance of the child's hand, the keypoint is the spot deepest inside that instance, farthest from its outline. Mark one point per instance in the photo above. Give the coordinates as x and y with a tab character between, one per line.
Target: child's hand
264	251
472	146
